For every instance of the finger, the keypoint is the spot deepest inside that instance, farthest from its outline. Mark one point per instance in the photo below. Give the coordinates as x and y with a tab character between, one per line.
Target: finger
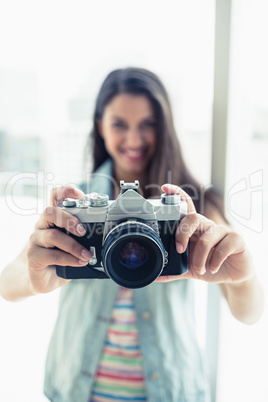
229	245
55	238
40	257
54	216
58	194
204	244
172	189
187	227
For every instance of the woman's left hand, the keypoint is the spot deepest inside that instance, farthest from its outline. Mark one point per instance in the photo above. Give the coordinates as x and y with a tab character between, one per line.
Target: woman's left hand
217	253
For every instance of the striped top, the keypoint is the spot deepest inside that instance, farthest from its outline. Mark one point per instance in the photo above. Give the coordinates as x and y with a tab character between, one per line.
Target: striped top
119	375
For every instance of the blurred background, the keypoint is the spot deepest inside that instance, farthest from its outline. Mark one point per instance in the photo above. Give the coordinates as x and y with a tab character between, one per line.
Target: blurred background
53	58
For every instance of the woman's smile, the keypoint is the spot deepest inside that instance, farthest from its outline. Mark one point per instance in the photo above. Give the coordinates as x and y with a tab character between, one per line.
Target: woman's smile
134	155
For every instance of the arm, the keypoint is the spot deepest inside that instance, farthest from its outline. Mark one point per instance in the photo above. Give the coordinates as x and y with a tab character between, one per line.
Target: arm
14	279
34	271
245	298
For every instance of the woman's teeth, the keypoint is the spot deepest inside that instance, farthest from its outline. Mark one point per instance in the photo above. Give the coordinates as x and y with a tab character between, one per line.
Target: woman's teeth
134	154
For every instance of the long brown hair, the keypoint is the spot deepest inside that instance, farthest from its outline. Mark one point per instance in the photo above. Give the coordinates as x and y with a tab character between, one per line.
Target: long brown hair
167	164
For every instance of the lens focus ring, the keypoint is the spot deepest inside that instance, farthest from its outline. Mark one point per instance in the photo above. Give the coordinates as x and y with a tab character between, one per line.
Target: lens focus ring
137	265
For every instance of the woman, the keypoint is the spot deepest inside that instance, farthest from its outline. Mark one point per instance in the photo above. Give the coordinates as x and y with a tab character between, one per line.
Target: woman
112	343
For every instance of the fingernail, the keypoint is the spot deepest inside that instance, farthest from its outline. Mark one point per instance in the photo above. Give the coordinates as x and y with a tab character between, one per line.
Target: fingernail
179	247
86	254
80	229
79	193
203	271
81	262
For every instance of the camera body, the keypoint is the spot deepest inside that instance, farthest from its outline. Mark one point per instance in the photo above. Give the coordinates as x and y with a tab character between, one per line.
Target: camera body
131	239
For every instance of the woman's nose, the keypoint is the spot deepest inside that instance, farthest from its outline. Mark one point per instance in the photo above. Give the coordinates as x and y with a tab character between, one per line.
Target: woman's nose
134	138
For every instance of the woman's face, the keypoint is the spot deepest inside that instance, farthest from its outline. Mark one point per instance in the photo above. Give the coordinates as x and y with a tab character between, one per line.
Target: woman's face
128	128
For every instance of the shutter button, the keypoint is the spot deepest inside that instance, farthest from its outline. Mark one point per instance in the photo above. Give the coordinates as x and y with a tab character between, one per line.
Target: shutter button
69	202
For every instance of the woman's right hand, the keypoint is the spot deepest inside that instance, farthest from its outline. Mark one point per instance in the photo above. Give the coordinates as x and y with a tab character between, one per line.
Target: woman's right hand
48	246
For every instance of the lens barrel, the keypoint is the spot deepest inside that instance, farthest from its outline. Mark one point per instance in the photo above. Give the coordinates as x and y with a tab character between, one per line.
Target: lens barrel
133	255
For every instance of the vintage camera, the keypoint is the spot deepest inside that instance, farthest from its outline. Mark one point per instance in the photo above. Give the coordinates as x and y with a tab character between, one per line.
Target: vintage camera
131	239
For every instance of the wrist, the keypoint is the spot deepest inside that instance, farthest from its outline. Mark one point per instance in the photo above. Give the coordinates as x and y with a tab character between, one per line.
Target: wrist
245	299
249	281
29	287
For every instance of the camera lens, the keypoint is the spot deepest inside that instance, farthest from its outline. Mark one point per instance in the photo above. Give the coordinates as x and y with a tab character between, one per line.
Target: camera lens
133	255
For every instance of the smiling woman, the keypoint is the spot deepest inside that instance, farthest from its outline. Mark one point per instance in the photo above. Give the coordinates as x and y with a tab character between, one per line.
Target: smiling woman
161	316
47	97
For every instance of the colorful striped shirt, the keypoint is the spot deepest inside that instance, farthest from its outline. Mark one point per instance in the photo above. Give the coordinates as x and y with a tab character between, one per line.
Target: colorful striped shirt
119	375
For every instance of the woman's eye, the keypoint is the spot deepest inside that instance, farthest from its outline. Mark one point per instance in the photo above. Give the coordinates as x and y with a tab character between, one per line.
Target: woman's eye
148	124
119	125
